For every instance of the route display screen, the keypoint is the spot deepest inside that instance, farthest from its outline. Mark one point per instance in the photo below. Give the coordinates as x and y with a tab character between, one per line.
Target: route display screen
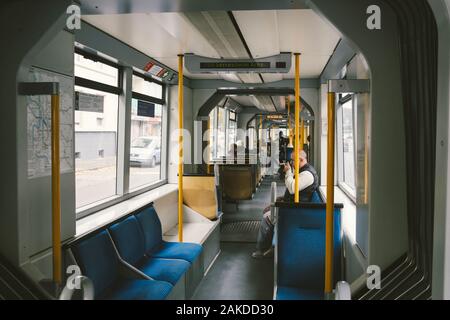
280	63
234	65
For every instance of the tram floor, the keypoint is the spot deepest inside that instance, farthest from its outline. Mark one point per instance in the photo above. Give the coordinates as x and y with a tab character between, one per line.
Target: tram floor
251	210
235	275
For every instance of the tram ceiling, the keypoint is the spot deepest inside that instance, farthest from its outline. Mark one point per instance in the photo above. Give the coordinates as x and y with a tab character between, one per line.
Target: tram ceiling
144	6
227	35
244	97
224	34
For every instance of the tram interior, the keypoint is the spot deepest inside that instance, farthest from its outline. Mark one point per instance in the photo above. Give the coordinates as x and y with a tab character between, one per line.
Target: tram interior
122	218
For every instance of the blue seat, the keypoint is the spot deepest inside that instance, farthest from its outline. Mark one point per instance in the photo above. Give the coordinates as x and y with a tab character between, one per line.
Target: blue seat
291	293
98	261
316	197
130	243
139	290
156	247
301	250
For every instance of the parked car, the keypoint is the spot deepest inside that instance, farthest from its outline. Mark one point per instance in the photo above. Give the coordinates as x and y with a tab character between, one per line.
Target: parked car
145	151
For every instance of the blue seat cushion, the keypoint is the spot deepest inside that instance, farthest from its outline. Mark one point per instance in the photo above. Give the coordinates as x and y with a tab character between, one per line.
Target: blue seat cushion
177	250
129	239
292	293
98	261
138	290
169	270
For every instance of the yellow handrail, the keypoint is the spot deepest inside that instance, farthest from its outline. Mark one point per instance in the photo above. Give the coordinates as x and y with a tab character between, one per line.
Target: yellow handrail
56	193
330	196
297	133
180	148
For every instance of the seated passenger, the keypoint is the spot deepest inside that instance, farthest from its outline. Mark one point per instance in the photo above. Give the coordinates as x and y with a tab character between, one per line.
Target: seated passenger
309	182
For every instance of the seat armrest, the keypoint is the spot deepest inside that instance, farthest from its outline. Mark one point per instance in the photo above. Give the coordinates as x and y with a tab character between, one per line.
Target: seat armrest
127	271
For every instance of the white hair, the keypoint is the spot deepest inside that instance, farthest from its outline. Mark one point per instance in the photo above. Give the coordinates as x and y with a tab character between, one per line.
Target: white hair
303	155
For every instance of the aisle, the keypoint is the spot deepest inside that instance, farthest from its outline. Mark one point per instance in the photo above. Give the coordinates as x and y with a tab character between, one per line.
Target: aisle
236	275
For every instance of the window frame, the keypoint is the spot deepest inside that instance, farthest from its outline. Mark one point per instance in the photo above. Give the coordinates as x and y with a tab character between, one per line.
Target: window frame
125	94
345	187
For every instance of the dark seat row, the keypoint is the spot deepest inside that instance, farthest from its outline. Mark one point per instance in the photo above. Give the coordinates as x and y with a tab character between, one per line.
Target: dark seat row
129	260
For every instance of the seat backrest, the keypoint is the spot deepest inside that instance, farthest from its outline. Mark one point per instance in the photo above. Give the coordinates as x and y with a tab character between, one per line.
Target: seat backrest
129	239
98	260
151	228
316	197
237	175
301	247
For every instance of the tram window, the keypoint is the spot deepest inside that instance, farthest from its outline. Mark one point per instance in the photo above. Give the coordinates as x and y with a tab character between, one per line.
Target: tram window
232	115
346	138
212	134
231	131
145	144
96	71
95	172
147	87
99	181
221	133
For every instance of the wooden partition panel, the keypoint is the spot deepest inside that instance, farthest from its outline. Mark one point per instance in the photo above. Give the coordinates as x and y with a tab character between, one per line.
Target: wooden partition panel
200	195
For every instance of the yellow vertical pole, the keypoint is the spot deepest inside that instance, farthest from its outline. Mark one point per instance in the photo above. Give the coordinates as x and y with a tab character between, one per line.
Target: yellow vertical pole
330	196
180	148
297	129
56	193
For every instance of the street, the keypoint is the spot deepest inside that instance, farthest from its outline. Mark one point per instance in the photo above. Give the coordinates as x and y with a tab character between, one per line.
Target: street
96	179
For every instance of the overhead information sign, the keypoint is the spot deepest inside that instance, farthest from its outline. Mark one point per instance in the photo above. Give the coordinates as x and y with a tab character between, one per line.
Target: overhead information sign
88	102
275	117
280	63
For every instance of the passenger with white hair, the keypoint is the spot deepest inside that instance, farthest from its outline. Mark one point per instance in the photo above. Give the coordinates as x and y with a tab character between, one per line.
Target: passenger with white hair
309	180
308	184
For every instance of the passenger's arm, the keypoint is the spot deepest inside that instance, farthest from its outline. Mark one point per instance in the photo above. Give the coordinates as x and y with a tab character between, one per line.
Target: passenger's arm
306	179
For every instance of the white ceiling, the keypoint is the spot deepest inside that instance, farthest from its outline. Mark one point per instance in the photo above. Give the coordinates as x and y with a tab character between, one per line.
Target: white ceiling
271	32
267	32
163	36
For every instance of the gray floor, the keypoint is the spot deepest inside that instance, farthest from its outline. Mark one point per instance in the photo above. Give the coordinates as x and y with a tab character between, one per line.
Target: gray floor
236	275
249	210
